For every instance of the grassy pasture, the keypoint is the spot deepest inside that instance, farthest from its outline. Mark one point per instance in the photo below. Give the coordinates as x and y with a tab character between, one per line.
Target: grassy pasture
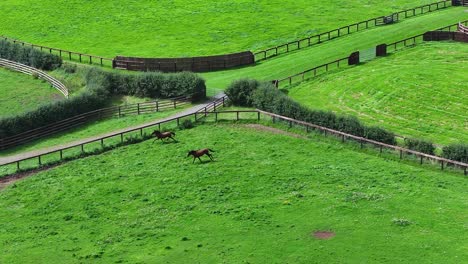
180	28
304	59
259	202
20	93
418	92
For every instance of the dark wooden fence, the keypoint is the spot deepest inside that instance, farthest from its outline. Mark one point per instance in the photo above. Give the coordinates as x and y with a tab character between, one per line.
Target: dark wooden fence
66	54
351	60
16	66
194	64
346	30
72	122
275	118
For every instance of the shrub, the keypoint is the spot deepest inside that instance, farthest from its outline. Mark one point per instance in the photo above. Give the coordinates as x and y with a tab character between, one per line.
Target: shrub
401	222
458	152
29	56
380	134
186	124
240	91
149	84
420	145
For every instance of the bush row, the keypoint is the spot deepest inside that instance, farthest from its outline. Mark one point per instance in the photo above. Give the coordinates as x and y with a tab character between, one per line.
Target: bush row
29	56
100	85
267	97
458	152
420	145
148	84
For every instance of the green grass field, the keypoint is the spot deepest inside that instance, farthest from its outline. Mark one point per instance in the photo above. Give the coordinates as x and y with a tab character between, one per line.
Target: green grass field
259	202
418	92
180	28
20	93
307	58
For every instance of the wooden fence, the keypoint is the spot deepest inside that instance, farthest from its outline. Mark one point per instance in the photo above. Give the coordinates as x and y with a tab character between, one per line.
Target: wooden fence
346	30
65	54
194	64
72	122
392	47
274	117
33	71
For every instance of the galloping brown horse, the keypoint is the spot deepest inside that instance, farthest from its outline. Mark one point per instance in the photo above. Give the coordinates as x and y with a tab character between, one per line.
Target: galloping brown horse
199	153
162	135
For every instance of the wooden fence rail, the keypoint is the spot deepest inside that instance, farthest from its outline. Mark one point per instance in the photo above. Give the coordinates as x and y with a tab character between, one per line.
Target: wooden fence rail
33	71
64	54
346	30
313	72
72	122
274	117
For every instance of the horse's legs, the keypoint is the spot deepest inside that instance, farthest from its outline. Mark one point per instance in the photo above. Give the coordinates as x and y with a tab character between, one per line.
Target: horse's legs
193	159
209	155
200	160
173	138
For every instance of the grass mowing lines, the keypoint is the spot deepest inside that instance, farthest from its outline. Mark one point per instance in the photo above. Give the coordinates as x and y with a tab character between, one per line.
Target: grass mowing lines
20	93
148	202
307	58
180	28
418	92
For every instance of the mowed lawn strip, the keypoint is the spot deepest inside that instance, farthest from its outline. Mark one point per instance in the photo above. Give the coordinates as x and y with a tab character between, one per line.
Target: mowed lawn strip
180	28
20	93
260	201
307	58
419	92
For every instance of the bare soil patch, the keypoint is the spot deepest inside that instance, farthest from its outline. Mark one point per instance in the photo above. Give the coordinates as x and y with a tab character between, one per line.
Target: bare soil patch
273	130
323	235
10	179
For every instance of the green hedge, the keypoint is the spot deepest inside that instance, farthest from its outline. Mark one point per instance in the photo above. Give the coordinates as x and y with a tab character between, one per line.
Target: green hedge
420	145
267	97
148	84
52	112
29	56
458	152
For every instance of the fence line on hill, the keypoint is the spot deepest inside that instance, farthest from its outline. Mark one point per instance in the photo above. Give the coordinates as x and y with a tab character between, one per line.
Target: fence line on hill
92	59
392	47
274	118
78	120
16	66
346	30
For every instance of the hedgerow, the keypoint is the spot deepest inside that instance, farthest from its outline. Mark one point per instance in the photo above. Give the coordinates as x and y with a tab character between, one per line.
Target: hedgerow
29	56
267	97
458	152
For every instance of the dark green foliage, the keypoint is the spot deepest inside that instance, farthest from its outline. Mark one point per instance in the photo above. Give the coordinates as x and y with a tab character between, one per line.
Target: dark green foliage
458	152
29	56
420	145
50	113
266	97
187	124
380	134
149	84
240	91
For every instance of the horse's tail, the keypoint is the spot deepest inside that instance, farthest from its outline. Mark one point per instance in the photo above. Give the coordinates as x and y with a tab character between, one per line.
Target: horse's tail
172	133
211	150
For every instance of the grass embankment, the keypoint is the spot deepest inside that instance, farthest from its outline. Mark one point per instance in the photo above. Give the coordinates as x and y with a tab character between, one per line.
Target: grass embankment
20	93
304	59
419	92
180	28
90	130
149	203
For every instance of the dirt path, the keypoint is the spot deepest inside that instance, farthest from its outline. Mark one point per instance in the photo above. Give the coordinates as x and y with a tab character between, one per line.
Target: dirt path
191	110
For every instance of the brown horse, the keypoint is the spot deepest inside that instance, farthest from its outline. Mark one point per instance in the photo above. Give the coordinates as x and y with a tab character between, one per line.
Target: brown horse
199	153
162	135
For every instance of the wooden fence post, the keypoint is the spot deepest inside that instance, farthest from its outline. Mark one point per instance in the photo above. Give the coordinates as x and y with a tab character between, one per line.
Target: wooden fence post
61	155
138	108
17	165
39	160
258	116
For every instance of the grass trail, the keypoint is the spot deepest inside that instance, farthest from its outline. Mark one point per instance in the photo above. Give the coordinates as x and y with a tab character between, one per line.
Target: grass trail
295	62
